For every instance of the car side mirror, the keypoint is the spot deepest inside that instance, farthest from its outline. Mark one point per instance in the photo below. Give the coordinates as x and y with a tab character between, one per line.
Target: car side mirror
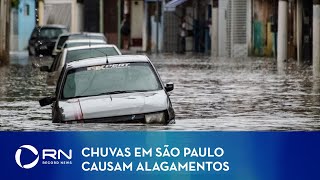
169	87
46	101
44	69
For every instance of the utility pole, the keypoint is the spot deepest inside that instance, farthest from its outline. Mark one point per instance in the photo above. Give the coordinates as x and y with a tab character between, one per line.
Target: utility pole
214	28
316	38
282	32
157	21
5	6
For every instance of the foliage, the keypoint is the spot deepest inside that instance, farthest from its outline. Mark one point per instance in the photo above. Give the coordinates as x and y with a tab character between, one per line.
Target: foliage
15	3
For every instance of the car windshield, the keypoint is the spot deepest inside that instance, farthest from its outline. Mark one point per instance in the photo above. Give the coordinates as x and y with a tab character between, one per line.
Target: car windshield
75	55
76	44
110	79
51	33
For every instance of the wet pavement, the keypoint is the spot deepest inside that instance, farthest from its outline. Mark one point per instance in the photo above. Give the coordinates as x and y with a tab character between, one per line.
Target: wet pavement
210	94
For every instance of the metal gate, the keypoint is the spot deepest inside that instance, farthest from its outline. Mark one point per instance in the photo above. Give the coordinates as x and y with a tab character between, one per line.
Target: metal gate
237	28
58	13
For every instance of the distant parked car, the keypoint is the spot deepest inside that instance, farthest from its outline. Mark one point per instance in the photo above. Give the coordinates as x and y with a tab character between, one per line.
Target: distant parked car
43	39
73	36
82	42
75	54
124	88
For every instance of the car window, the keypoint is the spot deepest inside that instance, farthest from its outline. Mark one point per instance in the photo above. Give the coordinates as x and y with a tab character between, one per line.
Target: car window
104	79
59	81
56	62
61	41
51	33
75	55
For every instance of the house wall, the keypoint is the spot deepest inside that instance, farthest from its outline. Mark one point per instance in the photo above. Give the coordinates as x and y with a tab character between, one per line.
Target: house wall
26	22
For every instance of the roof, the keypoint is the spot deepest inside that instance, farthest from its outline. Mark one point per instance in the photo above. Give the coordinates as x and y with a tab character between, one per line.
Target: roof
111	60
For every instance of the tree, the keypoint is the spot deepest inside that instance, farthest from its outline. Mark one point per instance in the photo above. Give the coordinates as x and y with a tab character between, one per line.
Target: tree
15	3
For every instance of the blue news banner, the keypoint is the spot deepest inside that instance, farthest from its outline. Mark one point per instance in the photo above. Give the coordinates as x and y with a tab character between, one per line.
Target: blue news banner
160	155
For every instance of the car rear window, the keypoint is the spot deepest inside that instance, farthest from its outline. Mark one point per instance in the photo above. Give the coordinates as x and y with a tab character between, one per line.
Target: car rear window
110	78
75	55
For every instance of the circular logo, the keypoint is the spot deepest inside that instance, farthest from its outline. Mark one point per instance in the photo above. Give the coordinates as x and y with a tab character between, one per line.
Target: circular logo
18	156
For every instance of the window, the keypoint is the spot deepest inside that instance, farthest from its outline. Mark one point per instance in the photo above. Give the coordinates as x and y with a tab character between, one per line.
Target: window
26	10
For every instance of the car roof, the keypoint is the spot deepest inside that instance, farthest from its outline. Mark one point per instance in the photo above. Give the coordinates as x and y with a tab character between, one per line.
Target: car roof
93	33
69	34
53	26
82	33
111	60
90	47
83	40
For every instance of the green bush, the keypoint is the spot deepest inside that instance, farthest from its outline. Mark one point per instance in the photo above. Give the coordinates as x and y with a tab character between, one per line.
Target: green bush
15	3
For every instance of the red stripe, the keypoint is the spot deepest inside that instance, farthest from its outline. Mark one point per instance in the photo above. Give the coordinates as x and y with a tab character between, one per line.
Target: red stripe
81	113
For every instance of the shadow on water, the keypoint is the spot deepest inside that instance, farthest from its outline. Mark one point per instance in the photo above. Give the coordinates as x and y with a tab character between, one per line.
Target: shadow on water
210	94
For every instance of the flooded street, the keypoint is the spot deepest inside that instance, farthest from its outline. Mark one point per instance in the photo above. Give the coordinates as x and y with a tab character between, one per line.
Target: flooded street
210	94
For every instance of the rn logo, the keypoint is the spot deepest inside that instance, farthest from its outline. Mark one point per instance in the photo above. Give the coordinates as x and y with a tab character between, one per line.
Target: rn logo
49	156
18	156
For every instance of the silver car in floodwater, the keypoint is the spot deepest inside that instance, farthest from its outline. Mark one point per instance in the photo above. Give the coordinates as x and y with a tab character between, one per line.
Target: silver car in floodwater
123	88
82	42
72	36
75	54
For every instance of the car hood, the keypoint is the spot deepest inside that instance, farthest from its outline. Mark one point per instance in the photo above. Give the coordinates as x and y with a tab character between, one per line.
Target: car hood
113	105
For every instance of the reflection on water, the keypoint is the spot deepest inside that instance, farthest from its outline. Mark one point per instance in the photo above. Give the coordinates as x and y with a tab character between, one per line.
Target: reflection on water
209	94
